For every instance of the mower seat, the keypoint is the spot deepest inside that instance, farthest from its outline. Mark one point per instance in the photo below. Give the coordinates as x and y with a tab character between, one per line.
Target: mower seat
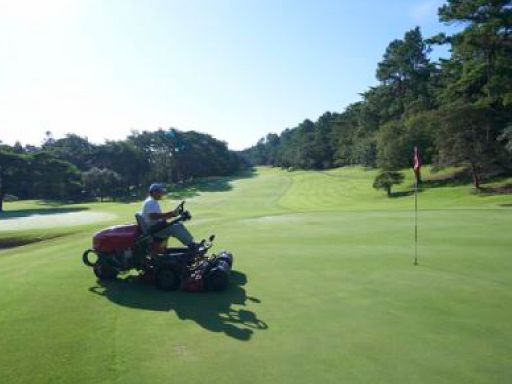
143	227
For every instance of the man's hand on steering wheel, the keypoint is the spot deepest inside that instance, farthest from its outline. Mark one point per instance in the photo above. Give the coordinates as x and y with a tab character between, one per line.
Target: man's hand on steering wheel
175	212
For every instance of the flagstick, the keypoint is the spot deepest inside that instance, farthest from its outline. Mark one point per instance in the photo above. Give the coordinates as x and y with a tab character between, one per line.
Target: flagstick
416	222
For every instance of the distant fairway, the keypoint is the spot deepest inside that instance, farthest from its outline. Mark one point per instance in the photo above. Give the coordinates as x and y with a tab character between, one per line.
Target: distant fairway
325	291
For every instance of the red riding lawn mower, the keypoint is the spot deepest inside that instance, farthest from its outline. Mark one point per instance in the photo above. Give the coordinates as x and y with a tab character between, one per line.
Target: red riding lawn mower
122	248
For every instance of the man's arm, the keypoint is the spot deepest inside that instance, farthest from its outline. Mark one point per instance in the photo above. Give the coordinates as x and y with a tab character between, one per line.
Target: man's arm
163	215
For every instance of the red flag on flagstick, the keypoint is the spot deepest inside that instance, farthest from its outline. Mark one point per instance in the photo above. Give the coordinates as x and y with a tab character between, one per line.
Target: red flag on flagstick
417	164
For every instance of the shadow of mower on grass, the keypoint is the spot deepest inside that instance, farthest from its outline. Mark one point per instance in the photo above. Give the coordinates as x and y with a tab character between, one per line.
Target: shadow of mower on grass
211	311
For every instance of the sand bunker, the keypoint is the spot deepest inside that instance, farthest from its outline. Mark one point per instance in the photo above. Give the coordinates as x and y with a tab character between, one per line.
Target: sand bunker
54	220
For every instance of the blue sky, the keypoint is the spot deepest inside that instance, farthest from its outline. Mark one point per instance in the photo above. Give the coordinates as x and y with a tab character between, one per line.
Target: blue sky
234	69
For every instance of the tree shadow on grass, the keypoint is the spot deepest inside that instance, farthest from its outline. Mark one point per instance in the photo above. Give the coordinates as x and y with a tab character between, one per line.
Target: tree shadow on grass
207	184
464	178
454	179
211	311
397	194
19	241
499	190
18	213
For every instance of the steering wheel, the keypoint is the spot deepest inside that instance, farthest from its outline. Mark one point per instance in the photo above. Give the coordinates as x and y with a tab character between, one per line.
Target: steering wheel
180	208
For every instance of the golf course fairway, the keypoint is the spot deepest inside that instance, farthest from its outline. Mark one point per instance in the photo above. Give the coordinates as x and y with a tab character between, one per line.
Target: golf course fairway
325	290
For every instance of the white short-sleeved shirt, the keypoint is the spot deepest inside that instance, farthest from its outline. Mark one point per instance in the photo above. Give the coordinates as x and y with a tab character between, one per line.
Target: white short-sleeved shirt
149	206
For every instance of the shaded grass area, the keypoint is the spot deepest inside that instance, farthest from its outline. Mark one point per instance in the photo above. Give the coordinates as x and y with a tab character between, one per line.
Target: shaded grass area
23	209
401	193
491	184
455	177
20	240
447	178
207	184
13	239
17	213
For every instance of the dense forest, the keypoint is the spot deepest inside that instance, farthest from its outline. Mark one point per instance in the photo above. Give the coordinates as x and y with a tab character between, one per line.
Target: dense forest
72	168
458	111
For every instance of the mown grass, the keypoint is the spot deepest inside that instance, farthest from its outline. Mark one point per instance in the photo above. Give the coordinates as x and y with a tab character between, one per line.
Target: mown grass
326	292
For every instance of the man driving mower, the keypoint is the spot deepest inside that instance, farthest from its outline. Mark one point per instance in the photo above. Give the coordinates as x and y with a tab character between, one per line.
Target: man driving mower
143	247
155	219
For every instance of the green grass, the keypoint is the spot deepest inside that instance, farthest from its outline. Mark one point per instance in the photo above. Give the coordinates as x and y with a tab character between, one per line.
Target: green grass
331	292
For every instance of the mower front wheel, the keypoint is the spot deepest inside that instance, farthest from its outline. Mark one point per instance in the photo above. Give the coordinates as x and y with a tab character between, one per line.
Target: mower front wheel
167	279
104	271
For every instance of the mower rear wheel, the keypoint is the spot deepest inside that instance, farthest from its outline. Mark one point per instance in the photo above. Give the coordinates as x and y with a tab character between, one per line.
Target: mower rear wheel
167	279
104	271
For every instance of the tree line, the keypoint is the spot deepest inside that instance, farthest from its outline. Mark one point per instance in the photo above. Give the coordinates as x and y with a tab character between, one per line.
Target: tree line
72	168
458	111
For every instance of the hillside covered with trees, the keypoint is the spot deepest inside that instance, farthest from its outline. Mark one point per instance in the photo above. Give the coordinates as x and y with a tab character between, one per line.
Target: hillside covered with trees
72	168
458	111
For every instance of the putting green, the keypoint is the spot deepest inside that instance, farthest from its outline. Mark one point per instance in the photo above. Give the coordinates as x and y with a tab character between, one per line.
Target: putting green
325	292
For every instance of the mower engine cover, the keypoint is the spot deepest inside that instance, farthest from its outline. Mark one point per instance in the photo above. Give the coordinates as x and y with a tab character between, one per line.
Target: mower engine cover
116	238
